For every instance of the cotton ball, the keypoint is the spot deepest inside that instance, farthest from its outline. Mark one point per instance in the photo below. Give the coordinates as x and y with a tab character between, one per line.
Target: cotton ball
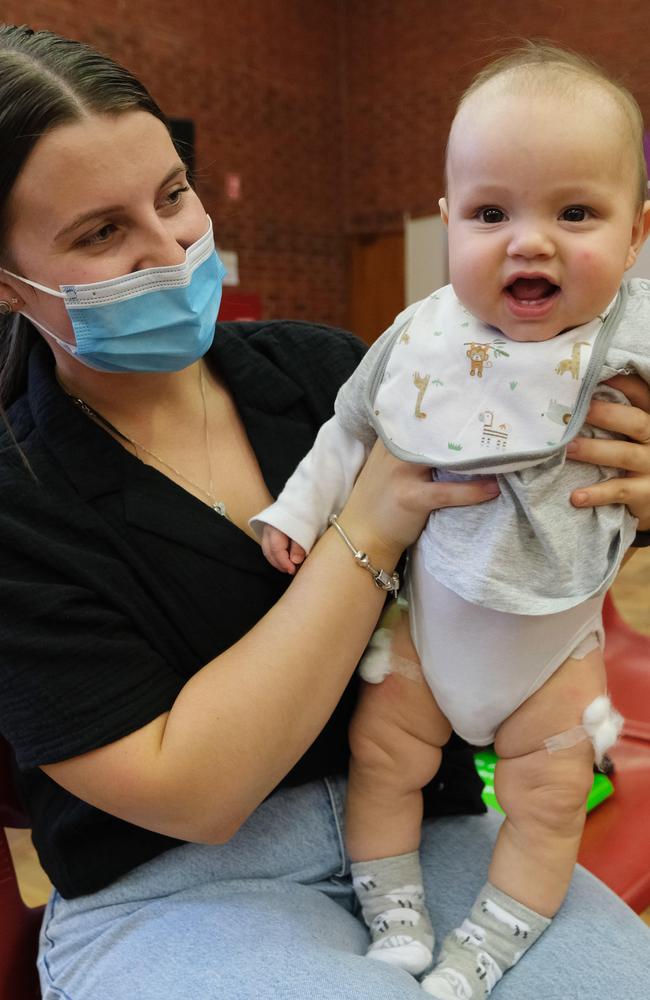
597	711
602	724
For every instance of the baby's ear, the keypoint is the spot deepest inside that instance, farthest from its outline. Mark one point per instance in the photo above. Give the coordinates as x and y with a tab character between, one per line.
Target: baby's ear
640	232
444	211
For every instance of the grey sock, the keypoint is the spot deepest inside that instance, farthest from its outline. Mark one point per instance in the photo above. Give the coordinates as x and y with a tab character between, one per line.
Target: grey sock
475	955
392	902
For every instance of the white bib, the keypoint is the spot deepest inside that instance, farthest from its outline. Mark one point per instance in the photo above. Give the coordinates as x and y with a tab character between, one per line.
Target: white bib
455	393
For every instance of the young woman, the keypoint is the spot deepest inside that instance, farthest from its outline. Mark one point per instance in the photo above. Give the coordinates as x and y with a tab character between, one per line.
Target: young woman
177	712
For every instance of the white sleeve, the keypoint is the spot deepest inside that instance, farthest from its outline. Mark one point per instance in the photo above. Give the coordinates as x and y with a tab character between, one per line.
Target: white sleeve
318	488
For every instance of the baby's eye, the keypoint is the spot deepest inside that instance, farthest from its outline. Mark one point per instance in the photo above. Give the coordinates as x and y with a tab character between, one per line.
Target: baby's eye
490	215
574	213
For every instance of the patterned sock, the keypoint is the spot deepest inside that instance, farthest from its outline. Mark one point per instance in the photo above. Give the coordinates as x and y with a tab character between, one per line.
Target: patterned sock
392	902
475	955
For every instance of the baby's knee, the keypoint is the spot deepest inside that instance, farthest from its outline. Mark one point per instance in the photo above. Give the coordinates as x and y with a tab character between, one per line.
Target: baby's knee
385	747
548	792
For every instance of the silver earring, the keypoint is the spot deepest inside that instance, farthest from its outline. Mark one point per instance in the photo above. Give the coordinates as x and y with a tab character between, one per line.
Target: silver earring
7	307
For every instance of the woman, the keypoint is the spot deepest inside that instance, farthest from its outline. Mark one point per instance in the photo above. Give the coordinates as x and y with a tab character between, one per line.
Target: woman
162	684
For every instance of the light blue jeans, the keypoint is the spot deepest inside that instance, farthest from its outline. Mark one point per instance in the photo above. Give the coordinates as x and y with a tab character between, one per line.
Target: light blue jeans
271	915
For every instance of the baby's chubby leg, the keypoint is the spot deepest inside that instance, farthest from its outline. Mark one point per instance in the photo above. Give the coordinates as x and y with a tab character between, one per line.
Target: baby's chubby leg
543	794
396	737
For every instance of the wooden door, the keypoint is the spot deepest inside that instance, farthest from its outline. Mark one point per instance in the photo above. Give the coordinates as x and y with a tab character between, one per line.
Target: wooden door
375	283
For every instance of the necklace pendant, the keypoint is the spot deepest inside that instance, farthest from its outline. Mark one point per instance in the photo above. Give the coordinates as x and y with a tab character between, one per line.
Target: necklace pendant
220	508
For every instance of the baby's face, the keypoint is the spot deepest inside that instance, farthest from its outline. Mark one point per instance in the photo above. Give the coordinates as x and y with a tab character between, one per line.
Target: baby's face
542	210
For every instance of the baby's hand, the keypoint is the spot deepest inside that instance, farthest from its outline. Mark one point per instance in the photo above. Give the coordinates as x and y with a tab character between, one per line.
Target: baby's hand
281	551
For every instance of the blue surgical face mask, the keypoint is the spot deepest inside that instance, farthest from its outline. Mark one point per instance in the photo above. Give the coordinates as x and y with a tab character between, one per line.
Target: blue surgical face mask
160	319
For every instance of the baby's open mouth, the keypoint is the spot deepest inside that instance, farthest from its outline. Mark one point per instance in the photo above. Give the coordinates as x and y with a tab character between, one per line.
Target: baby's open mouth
532	289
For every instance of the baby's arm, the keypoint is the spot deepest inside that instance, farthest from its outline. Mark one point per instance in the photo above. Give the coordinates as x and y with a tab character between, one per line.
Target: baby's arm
323	480
319	487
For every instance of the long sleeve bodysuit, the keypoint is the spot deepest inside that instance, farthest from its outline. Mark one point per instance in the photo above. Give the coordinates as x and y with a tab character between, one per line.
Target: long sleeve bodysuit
500	594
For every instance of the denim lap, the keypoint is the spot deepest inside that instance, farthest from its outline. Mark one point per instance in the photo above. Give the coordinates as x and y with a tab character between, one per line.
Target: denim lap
271	914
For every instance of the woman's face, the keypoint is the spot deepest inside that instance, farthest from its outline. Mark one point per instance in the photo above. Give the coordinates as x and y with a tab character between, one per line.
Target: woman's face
96	199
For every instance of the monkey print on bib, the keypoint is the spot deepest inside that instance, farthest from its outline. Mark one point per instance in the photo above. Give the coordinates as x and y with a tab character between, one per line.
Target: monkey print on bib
458	393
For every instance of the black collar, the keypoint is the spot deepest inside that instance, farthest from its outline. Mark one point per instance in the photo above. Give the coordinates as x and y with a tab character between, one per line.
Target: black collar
95	463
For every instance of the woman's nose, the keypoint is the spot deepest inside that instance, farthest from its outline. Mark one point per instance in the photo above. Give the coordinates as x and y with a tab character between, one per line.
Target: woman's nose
160	247
530	240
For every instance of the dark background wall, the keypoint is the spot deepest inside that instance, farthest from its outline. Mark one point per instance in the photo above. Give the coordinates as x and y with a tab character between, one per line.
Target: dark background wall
407	61
261	80
333	113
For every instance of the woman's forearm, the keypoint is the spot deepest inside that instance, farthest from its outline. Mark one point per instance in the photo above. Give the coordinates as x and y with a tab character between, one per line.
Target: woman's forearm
256	709
242	721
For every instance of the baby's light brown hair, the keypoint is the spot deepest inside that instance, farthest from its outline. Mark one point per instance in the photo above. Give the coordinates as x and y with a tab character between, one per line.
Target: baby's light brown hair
539	67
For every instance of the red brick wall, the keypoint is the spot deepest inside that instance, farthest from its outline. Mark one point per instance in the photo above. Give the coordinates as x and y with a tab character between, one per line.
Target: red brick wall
407	61
333	112
260	79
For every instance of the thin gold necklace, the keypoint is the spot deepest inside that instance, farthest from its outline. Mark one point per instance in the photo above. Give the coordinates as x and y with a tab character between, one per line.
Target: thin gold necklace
217	505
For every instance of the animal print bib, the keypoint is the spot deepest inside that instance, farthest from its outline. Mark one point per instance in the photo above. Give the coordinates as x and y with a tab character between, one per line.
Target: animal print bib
455	393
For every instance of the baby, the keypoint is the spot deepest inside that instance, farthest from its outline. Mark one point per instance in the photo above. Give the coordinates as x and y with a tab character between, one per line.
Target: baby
546	208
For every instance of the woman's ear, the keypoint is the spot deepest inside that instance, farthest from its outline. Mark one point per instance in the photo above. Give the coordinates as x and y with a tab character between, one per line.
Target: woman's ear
444	211
10	301
640	231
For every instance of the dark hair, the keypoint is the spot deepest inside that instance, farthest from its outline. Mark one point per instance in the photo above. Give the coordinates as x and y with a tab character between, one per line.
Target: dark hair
47	81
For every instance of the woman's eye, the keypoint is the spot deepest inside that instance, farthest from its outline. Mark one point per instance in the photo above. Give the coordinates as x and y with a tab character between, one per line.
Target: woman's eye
491	215
100	236
177	194
575	213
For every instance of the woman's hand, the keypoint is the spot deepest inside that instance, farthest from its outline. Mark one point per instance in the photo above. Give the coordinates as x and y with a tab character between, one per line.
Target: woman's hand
391	501
632	455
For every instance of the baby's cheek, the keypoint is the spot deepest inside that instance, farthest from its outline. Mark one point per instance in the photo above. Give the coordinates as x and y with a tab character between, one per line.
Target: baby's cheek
596	269
585	258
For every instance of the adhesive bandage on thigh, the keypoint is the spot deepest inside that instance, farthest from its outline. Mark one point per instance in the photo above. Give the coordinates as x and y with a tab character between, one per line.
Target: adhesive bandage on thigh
601	724
379	660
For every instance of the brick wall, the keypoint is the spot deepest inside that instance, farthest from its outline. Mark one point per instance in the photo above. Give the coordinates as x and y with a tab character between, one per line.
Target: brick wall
260	79
407	61
333	112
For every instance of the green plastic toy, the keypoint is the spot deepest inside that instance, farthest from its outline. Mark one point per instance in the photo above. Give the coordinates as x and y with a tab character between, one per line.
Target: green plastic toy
485	761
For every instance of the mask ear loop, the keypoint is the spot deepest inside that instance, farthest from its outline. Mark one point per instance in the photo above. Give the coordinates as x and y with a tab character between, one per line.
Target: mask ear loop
70	348
65	344
34	284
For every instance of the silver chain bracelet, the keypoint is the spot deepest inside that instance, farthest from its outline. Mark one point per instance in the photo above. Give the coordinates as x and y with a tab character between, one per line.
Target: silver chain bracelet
384	581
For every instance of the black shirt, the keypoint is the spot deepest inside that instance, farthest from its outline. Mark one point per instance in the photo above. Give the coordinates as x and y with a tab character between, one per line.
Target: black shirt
116	585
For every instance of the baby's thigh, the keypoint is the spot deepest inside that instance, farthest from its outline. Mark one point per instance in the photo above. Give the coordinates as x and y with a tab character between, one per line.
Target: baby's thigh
396	724
554	708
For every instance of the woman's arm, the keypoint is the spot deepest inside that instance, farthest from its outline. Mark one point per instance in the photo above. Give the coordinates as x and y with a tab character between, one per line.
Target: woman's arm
243	720
632	455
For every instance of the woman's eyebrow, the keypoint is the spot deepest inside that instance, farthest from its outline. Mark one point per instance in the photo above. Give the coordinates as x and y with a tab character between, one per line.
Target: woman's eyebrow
79	220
